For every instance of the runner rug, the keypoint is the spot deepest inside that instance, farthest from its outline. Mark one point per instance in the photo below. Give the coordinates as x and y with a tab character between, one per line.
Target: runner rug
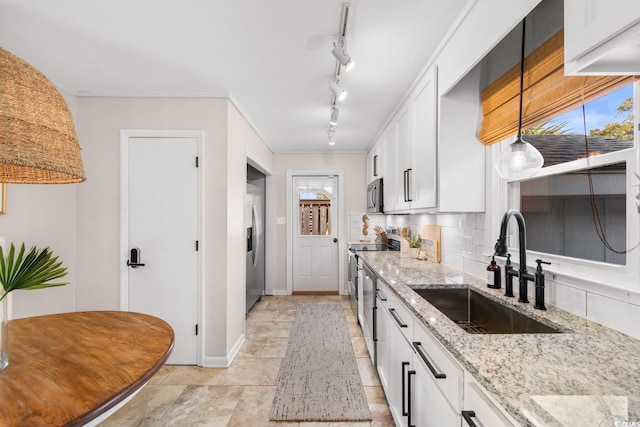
318	378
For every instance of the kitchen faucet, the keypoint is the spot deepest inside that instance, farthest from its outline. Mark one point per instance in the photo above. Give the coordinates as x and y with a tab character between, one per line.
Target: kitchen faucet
523	276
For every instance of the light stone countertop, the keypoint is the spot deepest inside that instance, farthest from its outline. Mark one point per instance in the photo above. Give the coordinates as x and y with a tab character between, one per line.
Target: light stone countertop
589	375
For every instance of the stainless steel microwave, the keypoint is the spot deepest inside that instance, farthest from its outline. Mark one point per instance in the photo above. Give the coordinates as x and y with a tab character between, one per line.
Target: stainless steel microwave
375	199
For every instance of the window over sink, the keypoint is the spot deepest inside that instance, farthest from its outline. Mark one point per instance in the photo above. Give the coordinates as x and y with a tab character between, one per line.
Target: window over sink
581	207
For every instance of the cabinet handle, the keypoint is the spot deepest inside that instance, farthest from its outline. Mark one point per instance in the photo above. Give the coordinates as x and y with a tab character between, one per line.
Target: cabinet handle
409	199
467	415
375	165
411	373
423	356
375	324
406	173
381	295
397	318
404	412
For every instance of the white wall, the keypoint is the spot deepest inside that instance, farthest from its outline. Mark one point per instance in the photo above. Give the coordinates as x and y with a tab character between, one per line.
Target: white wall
242	141
44	216
355	173
227	136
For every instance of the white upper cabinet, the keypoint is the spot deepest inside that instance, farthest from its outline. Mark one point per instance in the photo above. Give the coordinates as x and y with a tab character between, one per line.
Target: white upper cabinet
602	37
374	162
432	160
403	167
388	151
424	149
410	176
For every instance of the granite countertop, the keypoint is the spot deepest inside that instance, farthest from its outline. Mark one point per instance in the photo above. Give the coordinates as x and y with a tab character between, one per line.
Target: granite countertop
589	375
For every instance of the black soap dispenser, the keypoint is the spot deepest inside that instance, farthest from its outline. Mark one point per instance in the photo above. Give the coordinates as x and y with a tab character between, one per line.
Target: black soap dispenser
494	276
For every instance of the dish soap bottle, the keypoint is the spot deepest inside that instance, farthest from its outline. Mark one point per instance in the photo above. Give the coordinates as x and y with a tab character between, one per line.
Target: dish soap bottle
493	275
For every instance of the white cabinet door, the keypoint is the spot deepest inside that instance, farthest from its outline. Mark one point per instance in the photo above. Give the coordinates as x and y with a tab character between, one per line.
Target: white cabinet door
374	162
403	161
602	36
400	358
430	407
382	331
389	166
424	147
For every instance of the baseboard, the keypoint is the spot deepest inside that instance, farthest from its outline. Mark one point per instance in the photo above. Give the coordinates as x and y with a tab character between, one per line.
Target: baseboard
224	362
316	293
279	292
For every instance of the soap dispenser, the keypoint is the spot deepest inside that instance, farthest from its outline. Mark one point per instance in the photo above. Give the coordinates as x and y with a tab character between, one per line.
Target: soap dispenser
494	275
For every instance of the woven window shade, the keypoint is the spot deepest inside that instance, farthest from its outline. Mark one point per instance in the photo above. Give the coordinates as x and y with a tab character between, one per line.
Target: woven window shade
547	92
38	143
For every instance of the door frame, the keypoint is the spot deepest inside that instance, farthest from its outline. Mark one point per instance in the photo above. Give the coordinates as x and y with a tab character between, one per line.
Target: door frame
125	135
291	221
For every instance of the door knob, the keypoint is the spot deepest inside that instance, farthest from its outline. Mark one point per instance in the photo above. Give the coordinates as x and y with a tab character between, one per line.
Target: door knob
335	240
134	258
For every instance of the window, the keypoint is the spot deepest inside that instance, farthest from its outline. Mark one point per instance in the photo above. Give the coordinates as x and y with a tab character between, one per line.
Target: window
314	210
581	192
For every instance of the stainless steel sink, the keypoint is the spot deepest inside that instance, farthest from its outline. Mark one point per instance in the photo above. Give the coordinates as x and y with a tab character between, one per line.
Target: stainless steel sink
477	314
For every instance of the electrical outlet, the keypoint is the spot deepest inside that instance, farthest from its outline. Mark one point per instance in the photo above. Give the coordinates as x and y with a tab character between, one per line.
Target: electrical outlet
281	220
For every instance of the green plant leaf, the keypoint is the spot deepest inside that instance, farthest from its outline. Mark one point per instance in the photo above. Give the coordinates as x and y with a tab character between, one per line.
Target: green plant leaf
33	271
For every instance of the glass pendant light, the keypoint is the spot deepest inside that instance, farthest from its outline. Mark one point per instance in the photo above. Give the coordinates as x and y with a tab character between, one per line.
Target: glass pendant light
520	159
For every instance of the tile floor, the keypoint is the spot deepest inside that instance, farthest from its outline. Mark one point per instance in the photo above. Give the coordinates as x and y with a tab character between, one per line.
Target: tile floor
241	395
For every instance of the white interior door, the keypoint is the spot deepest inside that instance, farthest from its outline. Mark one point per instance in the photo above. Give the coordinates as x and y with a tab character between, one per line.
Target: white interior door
163	223
315	233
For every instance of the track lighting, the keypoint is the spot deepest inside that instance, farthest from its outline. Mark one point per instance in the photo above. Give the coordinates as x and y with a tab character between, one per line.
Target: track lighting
334	115
339	93
342	56
331	135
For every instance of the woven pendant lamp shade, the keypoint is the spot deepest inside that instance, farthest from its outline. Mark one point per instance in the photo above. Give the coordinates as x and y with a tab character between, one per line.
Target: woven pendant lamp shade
38	143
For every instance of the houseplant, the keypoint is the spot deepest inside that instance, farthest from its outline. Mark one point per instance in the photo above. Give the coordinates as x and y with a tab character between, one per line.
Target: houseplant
415	243
34	270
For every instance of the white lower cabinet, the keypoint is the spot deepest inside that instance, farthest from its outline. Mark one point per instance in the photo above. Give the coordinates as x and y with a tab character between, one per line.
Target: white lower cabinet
424	384
429	407
382	329
479	408
400	358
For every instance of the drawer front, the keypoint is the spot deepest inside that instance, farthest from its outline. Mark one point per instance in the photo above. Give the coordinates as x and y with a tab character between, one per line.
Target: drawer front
448	374
383	294
400	315
480	409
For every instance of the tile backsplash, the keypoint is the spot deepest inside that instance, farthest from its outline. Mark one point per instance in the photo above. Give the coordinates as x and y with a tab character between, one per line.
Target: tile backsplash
465	245
357	226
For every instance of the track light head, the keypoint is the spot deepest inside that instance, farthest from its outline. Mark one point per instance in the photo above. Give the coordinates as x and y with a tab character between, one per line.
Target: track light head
335	112
331	135
343	57
339	93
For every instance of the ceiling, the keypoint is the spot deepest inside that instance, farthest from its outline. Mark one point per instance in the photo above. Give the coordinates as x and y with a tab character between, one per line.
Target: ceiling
271	57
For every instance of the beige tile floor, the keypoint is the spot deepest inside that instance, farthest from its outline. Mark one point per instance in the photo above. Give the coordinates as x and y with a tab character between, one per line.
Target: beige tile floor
241	395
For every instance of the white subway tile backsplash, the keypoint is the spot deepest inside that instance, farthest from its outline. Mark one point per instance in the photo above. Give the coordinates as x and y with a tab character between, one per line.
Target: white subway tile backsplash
466	243
614	314
356	225
566	298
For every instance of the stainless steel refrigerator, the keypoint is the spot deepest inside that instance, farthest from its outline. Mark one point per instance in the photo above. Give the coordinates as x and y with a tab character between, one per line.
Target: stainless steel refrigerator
254	221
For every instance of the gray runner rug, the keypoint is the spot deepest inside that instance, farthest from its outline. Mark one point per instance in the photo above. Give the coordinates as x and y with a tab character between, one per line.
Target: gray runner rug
318	378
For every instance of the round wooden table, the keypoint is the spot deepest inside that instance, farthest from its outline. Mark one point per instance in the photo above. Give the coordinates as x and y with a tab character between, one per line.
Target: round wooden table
68	369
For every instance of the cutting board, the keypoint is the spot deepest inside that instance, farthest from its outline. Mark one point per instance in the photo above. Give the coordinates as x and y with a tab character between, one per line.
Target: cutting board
431	235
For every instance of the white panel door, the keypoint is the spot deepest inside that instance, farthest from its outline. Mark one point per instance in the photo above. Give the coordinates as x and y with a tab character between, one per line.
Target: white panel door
163	223
315	232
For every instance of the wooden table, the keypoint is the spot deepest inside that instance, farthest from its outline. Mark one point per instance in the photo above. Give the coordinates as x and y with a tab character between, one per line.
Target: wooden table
67	369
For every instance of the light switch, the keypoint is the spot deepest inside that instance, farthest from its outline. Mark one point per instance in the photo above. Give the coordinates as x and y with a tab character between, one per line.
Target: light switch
281	220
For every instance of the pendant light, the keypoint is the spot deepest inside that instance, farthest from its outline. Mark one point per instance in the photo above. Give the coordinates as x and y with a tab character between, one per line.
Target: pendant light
38	143
520	159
